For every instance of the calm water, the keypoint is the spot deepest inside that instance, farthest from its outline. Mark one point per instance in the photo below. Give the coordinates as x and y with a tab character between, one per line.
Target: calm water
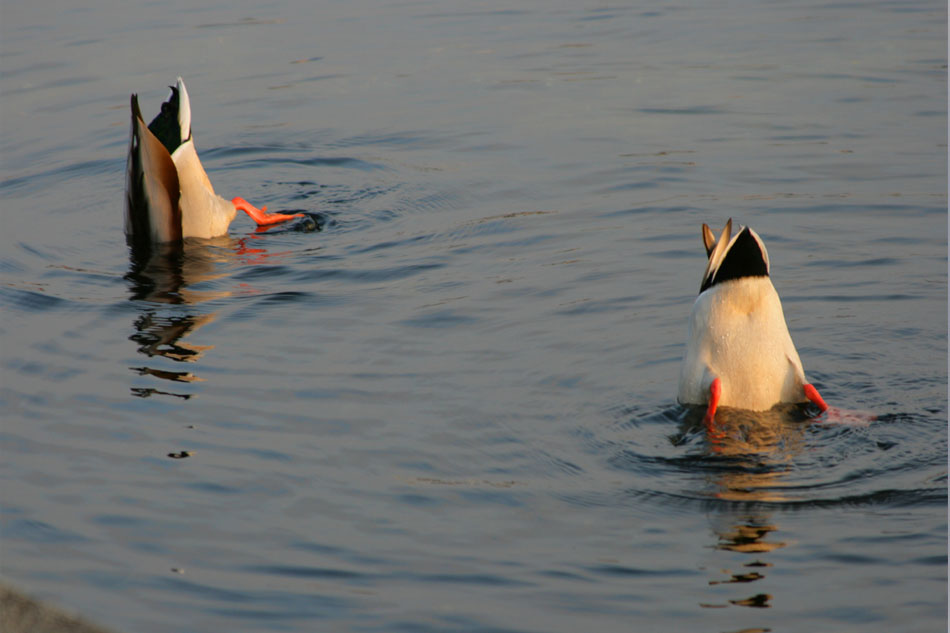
452	408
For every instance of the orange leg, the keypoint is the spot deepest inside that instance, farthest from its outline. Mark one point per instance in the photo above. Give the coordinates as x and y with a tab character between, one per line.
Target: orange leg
715	392
812	394
260	215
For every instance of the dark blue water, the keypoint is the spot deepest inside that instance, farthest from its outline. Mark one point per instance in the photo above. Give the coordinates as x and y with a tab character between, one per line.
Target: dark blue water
447	401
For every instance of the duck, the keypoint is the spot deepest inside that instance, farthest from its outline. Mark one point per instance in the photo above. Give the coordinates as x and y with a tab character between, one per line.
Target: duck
739	352
168	194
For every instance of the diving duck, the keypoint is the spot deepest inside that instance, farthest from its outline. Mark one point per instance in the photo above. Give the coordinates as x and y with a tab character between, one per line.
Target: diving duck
168	193
739	353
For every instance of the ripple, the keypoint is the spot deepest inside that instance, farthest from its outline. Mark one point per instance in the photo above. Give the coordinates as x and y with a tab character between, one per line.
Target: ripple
31	300
775	460
264	271
624	571
317	161
415	139
35	531
38	181
453	409
440	319
322	573
368	275
692	110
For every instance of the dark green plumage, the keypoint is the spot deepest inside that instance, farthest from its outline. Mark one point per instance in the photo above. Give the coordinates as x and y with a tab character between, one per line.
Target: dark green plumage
165	126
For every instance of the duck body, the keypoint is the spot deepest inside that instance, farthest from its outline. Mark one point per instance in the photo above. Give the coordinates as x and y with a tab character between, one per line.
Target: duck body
203	212
737	332
168	193
739	351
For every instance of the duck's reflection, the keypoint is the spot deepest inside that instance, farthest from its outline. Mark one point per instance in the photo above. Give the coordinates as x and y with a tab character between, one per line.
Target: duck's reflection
171	282
748	465
160	335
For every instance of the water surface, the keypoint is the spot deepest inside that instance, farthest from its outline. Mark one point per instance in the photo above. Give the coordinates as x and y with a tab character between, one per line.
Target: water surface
452	408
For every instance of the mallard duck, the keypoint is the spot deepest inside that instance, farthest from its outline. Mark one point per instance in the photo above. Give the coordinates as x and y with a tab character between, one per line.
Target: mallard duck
739	352
168	193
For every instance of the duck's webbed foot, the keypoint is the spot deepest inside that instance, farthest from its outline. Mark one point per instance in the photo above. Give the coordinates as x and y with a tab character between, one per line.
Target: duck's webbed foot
260	216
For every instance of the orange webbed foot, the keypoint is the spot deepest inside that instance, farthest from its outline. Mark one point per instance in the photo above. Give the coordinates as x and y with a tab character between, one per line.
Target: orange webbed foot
260	216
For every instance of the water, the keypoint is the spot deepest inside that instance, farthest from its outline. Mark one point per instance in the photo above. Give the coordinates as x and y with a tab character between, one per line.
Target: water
452	408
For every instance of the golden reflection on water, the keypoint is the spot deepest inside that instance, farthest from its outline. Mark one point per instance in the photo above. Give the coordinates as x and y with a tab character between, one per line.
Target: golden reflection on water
159	335
757	450
166	273
170	282
162	279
